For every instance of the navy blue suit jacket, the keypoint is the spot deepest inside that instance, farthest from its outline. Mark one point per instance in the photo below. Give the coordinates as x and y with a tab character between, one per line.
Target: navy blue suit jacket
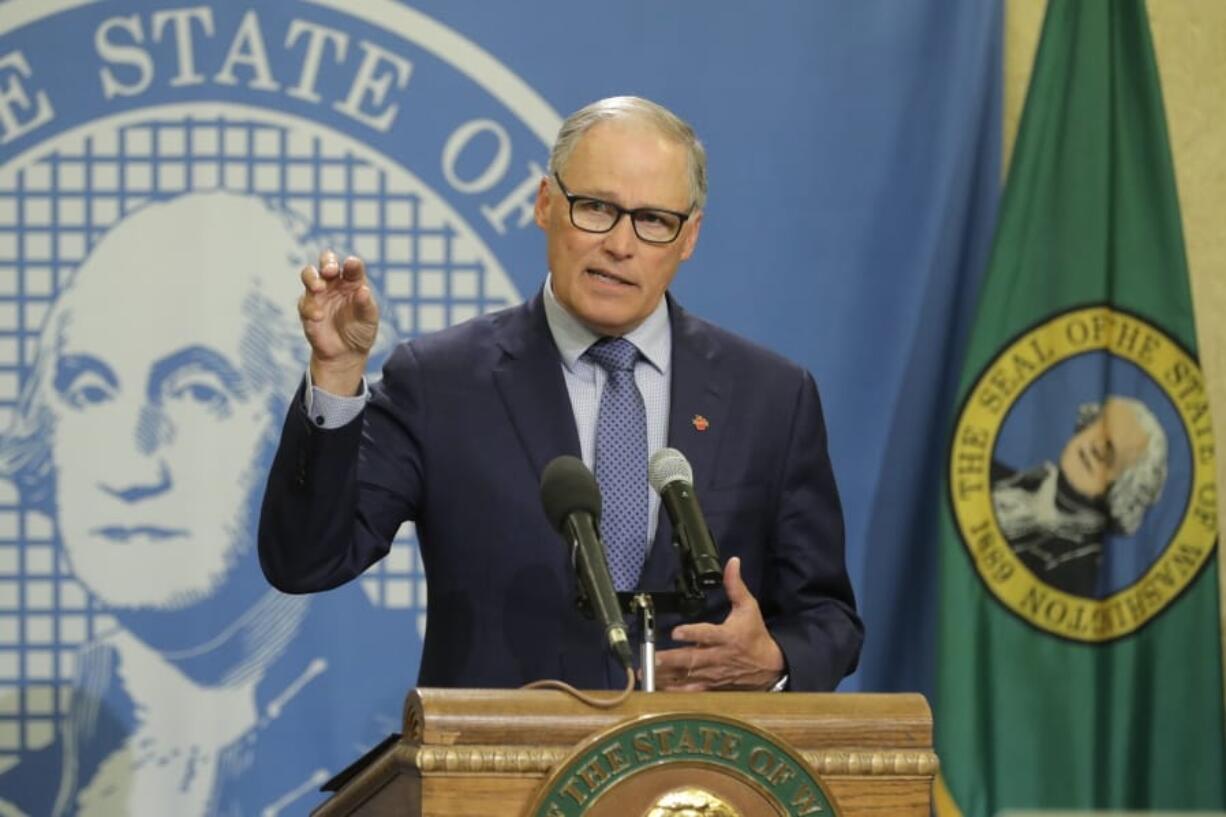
455	437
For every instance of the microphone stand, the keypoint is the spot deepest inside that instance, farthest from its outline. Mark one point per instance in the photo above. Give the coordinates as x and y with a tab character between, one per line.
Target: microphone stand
687	600
643	604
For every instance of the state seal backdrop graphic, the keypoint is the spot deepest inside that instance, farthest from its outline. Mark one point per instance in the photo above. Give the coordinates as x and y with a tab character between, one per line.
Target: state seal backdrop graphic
160	186
1101	536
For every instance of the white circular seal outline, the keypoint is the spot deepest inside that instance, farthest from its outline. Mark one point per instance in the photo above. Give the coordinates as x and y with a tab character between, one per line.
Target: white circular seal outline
409	24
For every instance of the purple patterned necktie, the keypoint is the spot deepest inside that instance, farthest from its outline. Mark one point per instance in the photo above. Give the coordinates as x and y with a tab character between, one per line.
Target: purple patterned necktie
621	461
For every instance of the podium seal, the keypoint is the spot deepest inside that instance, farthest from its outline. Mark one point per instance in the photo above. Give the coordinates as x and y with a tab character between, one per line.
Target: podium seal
678	765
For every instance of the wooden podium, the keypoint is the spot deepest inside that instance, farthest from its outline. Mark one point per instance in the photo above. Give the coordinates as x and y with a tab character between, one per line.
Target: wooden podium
476	753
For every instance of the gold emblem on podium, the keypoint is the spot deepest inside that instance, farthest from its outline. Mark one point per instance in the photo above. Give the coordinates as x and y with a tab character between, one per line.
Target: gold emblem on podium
691	802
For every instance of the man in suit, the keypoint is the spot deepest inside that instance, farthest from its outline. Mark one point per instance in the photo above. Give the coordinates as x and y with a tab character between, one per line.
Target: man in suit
458	431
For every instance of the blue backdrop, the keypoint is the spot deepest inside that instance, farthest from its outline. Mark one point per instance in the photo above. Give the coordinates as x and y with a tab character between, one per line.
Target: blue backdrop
854	162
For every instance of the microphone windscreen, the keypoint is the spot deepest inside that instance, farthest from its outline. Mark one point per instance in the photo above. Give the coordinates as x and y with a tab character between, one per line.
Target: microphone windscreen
668	465
568	486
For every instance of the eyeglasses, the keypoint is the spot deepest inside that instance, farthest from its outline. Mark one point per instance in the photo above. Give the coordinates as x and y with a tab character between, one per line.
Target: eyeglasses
651	224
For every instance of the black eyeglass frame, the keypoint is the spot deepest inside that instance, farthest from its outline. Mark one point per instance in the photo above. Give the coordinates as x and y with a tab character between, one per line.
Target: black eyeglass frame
571	198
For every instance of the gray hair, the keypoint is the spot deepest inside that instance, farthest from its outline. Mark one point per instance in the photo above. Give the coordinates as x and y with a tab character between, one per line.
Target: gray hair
1140	485
643	111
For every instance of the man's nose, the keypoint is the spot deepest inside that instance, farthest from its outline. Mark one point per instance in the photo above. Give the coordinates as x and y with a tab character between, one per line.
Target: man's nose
621	241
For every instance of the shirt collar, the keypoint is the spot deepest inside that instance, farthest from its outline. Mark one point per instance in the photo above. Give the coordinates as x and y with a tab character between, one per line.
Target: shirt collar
653	337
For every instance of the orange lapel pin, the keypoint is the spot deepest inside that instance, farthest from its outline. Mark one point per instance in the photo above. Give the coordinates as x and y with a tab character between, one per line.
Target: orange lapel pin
701	423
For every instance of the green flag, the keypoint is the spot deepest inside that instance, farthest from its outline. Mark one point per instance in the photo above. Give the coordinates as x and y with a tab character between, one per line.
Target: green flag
1080	654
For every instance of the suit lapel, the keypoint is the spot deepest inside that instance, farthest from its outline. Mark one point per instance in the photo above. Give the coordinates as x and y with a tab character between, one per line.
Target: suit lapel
698	403
529	380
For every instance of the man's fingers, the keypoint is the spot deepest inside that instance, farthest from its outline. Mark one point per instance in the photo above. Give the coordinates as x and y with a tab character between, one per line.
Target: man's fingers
704	635
311	281
676	667
679	660
365	308
734	586
329	265
309	309
354	270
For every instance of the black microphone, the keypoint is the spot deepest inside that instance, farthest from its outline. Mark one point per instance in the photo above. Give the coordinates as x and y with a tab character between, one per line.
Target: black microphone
572	502
672	478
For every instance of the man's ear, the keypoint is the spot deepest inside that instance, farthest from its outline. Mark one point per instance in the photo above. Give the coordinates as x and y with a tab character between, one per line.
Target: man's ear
544	200
690	240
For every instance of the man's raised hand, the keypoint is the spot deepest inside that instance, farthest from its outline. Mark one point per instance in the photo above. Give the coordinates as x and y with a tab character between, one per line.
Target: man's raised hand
340	320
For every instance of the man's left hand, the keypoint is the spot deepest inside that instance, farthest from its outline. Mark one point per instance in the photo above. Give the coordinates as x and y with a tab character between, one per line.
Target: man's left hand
737	654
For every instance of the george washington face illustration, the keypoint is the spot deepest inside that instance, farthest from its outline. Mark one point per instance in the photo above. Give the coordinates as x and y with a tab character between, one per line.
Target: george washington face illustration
160	412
